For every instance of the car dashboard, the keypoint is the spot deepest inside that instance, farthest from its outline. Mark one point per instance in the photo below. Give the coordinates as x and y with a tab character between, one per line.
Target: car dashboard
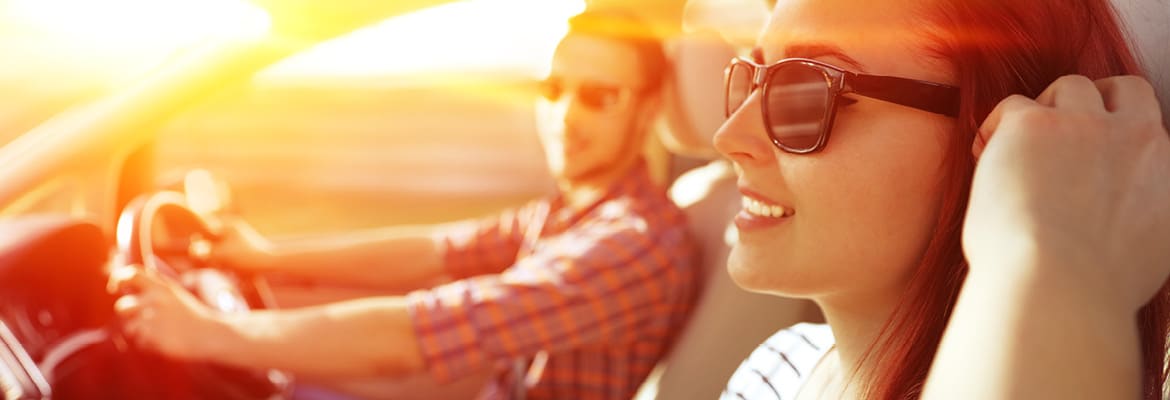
19	377
50	277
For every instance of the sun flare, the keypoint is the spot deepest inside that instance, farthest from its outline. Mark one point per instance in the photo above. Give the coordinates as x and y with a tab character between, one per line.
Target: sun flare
139	23
479	35
463	35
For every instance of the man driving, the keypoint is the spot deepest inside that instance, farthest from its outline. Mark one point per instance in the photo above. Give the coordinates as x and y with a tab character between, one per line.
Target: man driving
572	296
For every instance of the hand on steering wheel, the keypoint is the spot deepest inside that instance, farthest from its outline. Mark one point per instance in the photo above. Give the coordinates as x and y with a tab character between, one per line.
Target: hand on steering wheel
159	314
241	248
180	312
156	310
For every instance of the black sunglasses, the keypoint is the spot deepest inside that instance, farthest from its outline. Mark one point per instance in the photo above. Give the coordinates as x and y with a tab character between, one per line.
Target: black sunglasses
800	97
595	96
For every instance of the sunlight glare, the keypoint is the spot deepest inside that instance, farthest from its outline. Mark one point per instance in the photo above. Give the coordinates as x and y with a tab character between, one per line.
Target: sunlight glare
482	35
141	23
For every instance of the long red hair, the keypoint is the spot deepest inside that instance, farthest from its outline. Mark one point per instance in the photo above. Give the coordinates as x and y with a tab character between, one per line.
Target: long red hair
998	48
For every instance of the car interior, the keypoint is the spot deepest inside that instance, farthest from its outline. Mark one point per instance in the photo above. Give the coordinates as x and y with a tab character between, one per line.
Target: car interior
144	172
138	171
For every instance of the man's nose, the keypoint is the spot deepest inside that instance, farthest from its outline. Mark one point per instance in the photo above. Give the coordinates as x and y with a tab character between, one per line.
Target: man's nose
571	107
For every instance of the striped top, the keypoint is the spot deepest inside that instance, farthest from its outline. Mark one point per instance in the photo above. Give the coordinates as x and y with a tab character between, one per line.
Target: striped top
563	303
778	368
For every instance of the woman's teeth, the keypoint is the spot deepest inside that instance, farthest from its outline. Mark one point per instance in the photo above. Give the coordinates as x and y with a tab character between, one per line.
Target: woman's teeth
756	207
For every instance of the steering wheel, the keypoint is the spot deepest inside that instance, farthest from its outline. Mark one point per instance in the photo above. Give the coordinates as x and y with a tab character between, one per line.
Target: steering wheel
182	257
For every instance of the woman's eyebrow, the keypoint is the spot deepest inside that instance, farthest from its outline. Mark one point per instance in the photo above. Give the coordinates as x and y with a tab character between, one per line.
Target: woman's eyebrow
811	51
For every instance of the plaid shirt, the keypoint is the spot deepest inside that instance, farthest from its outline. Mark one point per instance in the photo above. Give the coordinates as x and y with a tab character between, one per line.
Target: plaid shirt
570	304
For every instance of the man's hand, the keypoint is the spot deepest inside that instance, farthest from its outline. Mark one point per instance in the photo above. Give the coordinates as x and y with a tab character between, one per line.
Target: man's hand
160	315
1076	184
359	338
241	247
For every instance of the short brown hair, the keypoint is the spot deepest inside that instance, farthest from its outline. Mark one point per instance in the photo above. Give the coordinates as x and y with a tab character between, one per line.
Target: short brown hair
632	31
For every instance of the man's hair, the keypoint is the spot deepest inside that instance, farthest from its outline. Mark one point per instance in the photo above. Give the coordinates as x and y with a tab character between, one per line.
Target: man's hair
629	30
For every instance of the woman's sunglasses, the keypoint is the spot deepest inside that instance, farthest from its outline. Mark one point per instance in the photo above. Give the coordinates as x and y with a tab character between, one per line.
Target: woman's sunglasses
800	97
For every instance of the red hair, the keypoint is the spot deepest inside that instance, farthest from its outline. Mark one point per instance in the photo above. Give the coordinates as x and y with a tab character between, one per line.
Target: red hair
998	48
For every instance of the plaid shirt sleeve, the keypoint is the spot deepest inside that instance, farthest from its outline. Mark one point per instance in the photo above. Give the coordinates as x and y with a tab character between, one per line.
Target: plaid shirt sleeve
484	246
577	291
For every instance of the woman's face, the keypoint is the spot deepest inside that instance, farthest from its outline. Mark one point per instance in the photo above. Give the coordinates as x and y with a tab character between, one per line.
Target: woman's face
858	213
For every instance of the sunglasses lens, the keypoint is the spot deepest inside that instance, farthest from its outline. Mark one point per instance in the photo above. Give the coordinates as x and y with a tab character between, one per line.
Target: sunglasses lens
739	86
797	104
598	97
551	89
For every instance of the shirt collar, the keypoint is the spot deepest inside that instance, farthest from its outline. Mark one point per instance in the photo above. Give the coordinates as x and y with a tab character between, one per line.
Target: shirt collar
637	178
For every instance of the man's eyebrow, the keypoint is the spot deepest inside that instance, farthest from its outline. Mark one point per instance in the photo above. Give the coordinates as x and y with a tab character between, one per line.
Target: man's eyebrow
811	51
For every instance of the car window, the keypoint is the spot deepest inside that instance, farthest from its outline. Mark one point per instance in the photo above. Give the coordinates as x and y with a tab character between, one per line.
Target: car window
422	118
61	53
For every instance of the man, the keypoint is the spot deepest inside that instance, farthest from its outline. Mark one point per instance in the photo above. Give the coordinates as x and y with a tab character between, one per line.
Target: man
575	296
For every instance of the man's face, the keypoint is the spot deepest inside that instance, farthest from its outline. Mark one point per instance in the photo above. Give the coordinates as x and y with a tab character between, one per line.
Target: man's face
589	113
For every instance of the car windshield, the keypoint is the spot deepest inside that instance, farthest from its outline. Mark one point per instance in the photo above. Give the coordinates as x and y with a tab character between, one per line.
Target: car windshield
72	51
75	54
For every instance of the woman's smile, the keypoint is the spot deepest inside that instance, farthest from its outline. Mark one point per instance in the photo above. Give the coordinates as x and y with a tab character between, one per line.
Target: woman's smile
759	213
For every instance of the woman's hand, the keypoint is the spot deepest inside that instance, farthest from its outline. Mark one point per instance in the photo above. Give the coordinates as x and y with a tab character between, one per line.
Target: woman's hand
1076	185
1066	237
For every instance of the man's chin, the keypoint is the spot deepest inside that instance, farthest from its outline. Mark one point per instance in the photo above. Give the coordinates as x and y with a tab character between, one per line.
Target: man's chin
582	175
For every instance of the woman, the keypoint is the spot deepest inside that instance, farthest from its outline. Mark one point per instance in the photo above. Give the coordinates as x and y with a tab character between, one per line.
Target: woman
851	128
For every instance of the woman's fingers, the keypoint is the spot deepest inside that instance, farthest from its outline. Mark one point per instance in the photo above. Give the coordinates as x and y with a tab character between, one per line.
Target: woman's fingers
1073	92
1119	94
1010	105
1129	94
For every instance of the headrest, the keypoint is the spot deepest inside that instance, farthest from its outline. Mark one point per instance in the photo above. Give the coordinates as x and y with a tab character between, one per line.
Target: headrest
1149	32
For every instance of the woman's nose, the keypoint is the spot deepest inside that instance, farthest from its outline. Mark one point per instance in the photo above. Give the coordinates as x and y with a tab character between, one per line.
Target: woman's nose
743	138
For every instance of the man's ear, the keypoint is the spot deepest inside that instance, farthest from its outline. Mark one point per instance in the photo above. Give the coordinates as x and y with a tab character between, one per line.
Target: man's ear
655	154
648	110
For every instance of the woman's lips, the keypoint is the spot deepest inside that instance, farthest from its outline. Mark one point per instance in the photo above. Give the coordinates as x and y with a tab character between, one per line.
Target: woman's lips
758	213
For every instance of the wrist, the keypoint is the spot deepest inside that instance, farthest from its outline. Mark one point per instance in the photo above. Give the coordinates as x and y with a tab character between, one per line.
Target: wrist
1034	319
261	256
267	258
222	342
1032	285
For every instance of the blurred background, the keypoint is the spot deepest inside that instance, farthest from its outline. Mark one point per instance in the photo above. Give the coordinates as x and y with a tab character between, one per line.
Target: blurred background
419	118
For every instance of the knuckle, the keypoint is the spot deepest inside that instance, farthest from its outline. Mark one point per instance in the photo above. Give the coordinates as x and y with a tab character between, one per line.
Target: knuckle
1070	80
1016	101
1151	130
1073	80
1035	117
1134	84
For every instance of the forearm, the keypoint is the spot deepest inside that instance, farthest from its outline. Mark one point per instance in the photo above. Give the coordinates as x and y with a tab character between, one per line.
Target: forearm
1035	338
392	258
363	338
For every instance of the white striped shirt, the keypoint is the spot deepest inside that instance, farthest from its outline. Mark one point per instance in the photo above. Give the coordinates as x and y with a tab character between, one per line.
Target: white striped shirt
778	367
